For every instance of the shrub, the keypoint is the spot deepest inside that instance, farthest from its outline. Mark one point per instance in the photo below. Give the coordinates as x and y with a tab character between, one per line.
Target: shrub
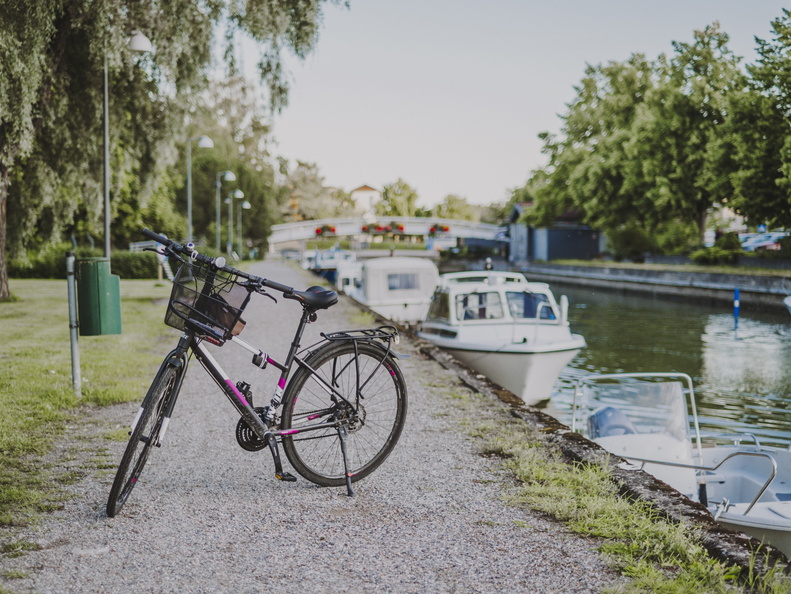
49	263
134	264
630	243
715	255
729	241
677	238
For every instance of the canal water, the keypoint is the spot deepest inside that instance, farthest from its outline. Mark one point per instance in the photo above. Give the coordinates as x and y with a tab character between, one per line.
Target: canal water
742	377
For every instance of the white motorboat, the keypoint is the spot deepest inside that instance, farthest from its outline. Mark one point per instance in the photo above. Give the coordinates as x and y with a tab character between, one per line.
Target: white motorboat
399	287
510	330
325	262
651	420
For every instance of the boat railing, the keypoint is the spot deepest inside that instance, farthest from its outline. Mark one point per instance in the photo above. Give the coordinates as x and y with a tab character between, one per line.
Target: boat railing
699	468
735	438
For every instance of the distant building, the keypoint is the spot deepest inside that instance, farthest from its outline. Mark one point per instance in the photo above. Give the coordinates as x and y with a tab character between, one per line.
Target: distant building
365	199
565	239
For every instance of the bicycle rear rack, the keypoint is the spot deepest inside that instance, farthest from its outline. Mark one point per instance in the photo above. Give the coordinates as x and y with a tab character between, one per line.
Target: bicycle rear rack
385	333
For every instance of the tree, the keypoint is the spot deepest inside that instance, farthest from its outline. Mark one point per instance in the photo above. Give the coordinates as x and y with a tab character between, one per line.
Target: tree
759	132
51	63
456	207
677	157
642	143
586	164
310	199
399	199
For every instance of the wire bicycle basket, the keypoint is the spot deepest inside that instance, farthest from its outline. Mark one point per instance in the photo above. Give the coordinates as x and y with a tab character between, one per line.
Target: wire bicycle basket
211	297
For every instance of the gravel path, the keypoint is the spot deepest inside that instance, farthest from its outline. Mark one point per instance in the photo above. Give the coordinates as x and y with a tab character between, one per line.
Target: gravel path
208	516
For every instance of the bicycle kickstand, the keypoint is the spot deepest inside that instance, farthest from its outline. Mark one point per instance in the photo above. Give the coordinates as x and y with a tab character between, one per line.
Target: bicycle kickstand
342	433
279	474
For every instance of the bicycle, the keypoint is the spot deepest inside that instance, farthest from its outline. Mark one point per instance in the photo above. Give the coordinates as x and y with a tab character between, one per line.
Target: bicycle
343	409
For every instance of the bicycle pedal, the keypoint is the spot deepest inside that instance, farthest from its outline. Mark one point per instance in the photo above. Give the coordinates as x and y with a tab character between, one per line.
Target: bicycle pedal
285	476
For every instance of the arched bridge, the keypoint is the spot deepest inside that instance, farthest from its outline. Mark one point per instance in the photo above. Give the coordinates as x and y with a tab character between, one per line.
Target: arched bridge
450	228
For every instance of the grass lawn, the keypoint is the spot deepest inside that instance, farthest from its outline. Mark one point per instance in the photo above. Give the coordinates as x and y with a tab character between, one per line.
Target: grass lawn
36	392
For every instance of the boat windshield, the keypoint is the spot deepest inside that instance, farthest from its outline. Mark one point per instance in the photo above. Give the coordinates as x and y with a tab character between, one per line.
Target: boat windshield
479	306
524	304
440	307
637	407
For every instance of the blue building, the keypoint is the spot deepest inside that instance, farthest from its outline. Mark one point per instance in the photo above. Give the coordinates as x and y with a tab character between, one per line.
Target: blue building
565	239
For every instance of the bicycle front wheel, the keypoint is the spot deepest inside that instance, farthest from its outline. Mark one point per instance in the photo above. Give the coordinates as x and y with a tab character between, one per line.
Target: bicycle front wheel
374	412
145	434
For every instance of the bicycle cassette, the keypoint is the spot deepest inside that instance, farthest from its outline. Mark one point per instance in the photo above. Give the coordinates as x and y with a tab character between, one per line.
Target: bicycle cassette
246	437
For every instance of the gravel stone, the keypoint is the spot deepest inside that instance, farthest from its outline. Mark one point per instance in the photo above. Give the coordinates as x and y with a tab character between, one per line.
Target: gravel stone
208	516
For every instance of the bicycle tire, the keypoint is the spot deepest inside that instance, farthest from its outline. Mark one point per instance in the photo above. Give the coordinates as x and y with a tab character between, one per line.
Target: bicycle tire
316	455
143	436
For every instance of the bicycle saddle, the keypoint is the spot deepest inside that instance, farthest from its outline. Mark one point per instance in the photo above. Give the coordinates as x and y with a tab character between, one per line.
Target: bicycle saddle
314	297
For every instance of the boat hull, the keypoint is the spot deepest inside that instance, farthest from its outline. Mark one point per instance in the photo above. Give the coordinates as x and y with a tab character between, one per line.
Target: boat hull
529	375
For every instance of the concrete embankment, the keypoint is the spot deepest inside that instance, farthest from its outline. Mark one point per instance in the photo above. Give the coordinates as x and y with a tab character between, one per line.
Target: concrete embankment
754	290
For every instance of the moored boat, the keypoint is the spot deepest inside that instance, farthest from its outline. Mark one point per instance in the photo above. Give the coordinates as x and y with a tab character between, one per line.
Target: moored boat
505	327
651	420
398	288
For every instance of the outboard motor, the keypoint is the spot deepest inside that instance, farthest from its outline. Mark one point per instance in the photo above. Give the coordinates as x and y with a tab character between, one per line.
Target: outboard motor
608	421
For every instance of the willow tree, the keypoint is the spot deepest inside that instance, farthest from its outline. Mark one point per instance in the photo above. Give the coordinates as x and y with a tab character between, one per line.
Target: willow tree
52	62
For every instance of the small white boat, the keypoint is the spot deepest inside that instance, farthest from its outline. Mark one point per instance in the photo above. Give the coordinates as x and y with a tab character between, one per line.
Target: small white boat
510	330
651	420
398	288
325	262
787	303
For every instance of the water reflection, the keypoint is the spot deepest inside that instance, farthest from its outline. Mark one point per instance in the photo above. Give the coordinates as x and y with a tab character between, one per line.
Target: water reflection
742	378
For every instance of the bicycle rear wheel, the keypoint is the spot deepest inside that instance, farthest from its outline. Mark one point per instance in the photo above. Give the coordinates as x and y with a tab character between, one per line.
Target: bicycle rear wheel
144	435
373	424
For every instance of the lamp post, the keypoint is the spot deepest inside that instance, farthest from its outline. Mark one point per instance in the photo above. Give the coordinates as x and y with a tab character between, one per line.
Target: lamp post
137	43
221	176
203	142
229	201
243	206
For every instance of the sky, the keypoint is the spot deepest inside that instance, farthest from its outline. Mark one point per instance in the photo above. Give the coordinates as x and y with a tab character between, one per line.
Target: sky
450	95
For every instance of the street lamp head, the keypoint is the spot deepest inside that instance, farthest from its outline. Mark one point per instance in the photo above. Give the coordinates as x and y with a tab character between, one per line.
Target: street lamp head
139	42
238	194
246	205
205	142
228	175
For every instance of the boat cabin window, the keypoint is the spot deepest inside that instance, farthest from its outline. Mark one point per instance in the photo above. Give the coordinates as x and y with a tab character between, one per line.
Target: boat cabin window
401	281
479	306
440	307
523	305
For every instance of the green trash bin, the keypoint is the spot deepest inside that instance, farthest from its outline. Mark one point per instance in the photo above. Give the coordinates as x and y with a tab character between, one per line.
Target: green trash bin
98	297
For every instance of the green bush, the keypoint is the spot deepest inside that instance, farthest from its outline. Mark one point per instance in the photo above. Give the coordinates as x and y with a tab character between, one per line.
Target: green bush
715	255
630	243
134	264
729	241
677	238
51	263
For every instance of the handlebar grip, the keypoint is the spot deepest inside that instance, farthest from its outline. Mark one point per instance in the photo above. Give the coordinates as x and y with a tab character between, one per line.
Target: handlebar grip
285	289
156	237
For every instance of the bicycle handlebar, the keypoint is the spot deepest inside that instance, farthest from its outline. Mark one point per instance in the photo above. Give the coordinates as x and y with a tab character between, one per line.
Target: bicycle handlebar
218	263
